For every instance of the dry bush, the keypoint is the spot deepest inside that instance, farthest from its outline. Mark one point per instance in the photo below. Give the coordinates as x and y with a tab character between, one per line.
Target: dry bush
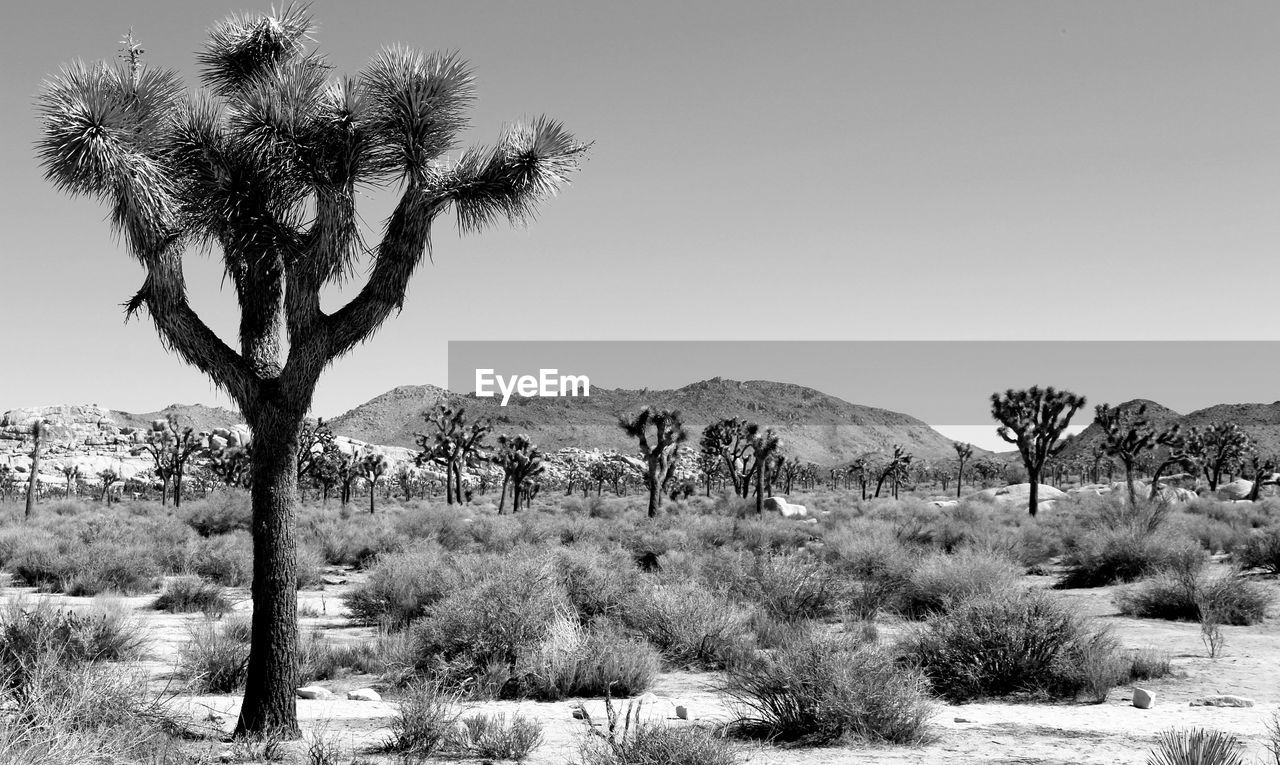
1188	595
823	689
577	661
1261	549
689	624
1013	644
1109	555
940	581
402	586
497	737
191	594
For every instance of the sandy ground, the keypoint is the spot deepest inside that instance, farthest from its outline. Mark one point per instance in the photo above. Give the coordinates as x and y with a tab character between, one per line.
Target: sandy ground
1112	732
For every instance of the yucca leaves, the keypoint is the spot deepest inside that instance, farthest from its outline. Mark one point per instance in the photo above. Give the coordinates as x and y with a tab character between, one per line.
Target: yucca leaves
1196	746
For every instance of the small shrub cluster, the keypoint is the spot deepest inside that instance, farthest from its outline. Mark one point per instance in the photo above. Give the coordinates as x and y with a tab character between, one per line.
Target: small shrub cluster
190	594
1261	550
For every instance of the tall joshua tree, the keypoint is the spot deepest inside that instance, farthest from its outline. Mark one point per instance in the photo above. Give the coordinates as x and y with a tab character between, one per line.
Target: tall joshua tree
454	444
1033	420
659	434
265	165
963	453
763	448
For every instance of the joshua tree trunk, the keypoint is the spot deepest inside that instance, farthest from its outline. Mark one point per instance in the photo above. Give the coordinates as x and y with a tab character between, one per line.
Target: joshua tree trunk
502	497
655	493
1034	499
272	677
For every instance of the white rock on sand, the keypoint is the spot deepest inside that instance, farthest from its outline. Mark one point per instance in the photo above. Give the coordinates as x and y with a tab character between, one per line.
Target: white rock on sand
314	692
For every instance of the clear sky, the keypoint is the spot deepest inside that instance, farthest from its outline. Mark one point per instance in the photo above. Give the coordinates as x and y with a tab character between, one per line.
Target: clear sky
816	171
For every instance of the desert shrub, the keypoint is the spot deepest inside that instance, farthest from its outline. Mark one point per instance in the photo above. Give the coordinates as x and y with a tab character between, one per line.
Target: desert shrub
1010	643
1231	598
402	586
308	570
225	559
1196	746
481	630
1105	556
1261	550
648	743
189	594
596	583
825	689
876	562
426	722
774	534
577	661
221	512
688	623
497	737
128	569
351	542
214	659
789	586
40	632
940	580
1149	664
319	658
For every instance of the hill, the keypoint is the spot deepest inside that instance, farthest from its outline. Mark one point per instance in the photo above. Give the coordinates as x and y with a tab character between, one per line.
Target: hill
815	426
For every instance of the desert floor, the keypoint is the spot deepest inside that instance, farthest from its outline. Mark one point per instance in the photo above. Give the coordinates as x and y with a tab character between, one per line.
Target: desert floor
1112	732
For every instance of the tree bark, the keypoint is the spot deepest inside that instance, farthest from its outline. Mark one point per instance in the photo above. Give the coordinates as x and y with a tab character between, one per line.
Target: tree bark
1035	491
272	678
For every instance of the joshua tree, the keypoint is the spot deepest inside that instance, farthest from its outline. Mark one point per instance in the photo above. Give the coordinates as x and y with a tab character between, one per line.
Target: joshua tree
896	469
1033	420
170	449
764	446
1260	468
521	462
371	466
233	465
328	468
1128	435
108	477
659	434
6	481
731	440
312	440
71	472
454	444
963	452
1217	449
266	166
33	481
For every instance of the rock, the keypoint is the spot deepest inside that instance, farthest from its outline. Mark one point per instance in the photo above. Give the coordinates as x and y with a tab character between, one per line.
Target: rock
963	720
1019	494
364	694
1237	489
682	711
579	713
1222	701
314	692
1143	699
785	509
945	503
333	580
810	521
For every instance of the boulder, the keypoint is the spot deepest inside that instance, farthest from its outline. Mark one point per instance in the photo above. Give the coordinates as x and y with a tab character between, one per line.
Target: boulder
682	710
364	694
1222	700
1143	699
314	692
1019	494
785	509
1237	489
945	503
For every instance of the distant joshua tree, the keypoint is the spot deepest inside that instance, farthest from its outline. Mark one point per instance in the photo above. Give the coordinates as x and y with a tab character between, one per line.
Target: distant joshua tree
1128	436
731	441
454	444
71	472
521	463
312	440
109	478
33	481
963	452
1033	420
170	448
1217	449
659	434
895	470
371	466
232	465
764	447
